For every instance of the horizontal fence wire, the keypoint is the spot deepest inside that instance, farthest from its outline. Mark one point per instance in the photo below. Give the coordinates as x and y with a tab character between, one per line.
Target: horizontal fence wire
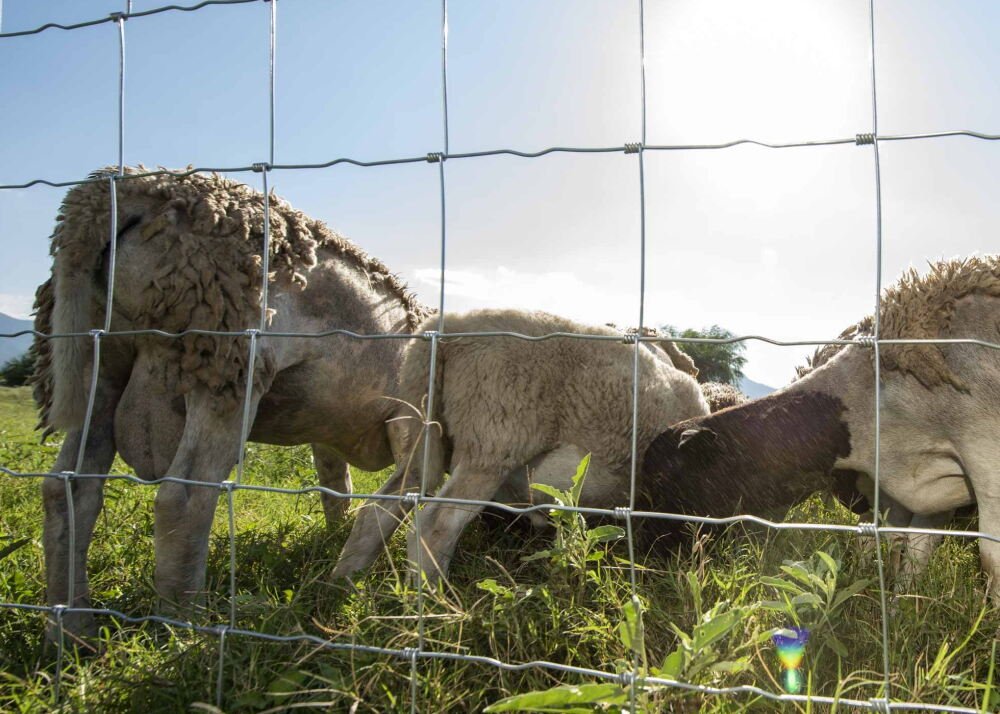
628	339
435	157
221	631
620	512
257	335
129	14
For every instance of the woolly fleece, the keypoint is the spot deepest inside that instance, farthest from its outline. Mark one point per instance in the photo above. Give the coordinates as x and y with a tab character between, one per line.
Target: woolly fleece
921	307
211	230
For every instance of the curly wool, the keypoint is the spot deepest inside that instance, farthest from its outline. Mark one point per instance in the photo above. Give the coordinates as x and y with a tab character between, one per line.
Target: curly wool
722	396
921	307
40	353
211	230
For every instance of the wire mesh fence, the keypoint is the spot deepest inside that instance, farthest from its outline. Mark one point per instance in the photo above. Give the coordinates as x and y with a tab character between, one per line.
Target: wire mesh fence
256	333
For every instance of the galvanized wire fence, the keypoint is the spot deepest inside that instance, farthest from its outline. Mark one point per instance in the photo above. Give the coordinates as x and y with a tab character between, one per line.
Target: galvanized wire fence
254	334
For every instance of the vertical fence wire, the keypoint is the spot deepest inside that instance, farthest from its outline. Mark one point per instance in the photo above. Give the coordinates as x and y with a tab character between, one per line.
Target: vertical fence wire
638	635
254	334
877	517
429	424
221	666
272	34
121	87
96	334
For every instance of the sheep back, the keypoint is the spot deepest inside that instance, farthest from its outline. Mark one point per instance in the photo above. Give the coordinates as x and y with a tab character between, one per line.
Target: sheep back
503	400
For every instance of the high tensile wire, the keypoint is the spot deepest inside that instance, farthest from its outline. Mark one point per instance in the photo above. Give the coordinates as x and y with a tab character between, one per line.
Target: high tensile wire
254	335
883	604
429	424
349	161
96	334
632	680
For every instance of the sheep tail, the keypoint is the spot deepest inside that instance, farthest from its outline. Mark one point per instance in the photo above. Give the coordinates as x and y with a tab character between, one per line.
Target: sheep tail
72	312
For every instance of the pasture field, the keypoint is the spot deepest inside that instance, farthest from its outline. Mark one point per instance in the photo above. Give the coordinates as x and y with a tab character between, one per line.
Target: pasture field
709	607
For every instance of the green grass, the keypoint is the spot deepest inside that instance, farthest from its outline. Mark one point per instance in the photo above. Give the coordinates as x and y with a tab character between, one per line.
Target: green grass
495	605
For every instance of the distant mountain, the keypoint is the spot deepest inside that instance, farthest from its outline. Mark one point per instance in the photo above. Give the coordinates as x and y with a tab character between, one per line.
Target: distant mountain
11	347
753	389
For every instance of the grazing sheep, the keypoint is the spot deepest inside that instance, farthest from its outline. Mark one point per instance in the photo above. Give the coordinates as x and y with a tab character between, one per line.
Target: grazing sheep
722	396
506	405
189	257
940	419
912	551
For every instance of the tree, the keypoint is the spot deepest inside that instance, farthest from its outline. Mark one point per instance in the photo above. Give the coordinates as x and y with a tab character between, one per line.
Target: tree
716	362
16	371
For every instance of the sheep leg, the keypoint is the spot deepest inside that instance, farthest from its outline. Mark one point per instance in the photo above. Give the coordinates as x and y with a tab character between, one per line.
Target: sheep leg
88	499
333	474
897	516
982	461
378	519
920	547
208	450
989	550
441	524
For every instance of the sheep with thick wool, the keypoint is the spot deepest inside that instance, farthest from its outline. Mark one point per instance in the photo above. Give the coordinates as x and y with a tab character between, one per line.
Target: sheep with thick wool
936	447
188	258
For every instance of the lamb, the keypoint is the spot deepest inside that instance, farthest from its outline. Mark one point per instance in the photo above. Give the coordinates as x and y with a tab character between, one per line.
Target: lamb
940	419
510	410
189	257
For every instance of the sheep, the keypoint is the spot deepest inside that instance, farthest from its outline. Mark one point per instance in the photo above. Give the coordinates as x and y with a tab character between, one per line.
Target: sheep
722	396
940	419
509	410
718	394
189	257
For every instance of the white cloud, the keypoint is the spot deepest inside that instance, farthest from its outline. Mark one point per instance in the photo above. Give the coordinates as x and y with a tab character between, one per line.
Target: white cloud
559	292
565	293
16	305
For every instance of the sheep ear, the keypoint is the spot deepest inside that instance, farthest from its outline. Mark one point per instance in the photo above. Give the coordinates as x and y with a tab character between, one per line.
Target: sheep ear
695	434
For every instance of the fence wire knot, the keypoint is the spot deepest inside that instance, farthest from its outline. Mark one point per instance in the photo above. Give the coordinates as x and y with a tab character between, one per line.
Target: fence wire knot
622	512
880	704
96	334
227	486
633	147
410	653
412	498
118	16
865	340
67	475
863	139
435	157
430	335
252	332
630	338
627	679
867	529
260	167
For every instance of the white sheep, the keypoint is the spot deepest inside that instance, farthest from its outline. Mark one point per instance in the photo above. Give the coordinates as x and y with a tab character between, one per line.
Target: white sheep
188	257
937	441
504	407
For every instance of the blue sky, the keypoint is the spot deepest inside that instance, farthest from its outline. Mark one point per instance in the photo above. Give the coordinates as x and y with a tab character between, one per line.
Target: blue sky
760	241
